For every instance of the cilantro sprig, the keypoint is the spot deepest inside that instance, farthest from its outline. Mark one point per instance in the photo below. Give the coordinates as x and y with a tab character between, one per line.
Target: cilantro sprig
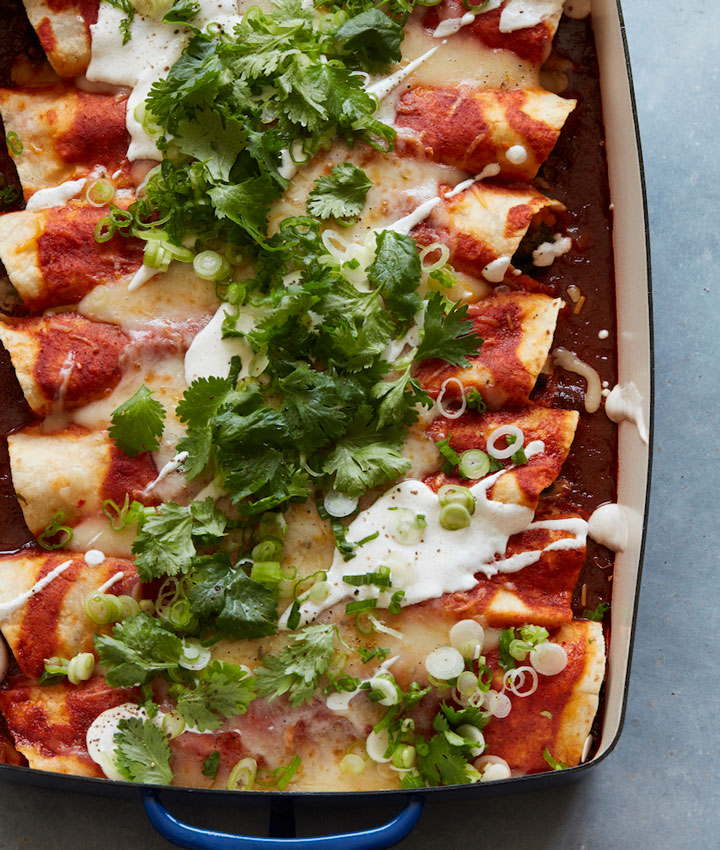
142	752
137	424
341	194
298	667
329	412
238	105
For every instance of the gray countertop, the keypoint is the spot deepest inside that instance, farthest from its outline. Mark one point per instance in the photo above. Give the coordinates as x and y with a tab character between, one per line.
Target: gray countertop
659	788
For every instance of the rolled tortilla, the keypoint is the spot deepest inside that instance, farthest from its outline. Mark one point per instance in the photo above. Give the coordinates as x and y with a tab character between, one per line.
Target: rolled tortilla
484	225
517	331
66	135
474	128
73	471
63	361
569	700
52	258
64	32
520	485
53	622
49	723
501	26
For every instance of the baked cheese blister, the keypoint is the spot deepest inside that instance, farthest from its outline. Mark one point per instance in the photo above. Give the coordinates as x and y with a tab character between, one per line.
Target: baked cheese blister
297	478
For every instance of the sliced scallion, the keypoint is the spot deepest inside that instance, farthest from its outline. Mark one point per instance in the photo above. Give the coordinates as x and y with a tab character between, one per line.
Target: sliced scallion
129	607
270	549
100	192
209	265
102	608
474	463
454	517
266	572
80	667
455	494
360	605
243	774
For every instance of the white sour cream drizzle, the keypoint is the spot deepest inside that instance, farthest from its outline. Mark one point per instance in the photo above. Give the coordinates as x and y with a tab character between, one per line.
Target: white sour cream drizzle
492	169
572	363
8	608
100	734
517	15
546	252
382	88
94	557
405	225
516	154
56	196
142	276
495	271
210	354
152	50
452	25
111	581
608	527
625	404
171	466
441	561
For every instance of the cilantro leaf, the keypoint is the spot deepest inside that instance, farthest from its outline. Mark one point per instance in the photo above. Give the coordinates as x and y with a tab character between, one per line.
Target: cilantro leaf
465	716
597	613
137	424
505	660
373	38
398	399
442	762
181	12
396	272
239	606
213	138
142	752
448	333
164	544
341	194
314	404
296	670
363	462
211	765
246	203
166	541
224	690
140	647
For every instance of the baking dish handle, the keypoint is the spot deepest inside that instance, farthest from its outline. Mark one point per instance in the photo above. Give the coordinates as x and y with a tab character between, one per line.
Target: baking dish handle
184	835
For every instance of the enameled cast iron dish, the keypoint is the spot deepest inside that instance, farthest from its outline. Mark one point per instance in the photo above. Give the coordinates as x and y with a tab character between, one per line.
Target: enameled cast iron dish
632	265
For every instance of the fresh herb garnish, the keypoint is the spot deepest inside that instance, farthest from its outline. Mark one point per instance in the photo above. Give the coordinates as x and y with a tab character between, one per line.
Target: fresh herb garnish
341	194
137	424
598	613
296	670
211	765
553	762
223	690
142	752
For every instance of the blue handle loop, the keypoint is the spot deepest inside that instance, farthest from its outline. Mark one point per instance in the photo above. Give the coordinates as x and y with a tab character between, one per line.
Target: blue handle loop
184	835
